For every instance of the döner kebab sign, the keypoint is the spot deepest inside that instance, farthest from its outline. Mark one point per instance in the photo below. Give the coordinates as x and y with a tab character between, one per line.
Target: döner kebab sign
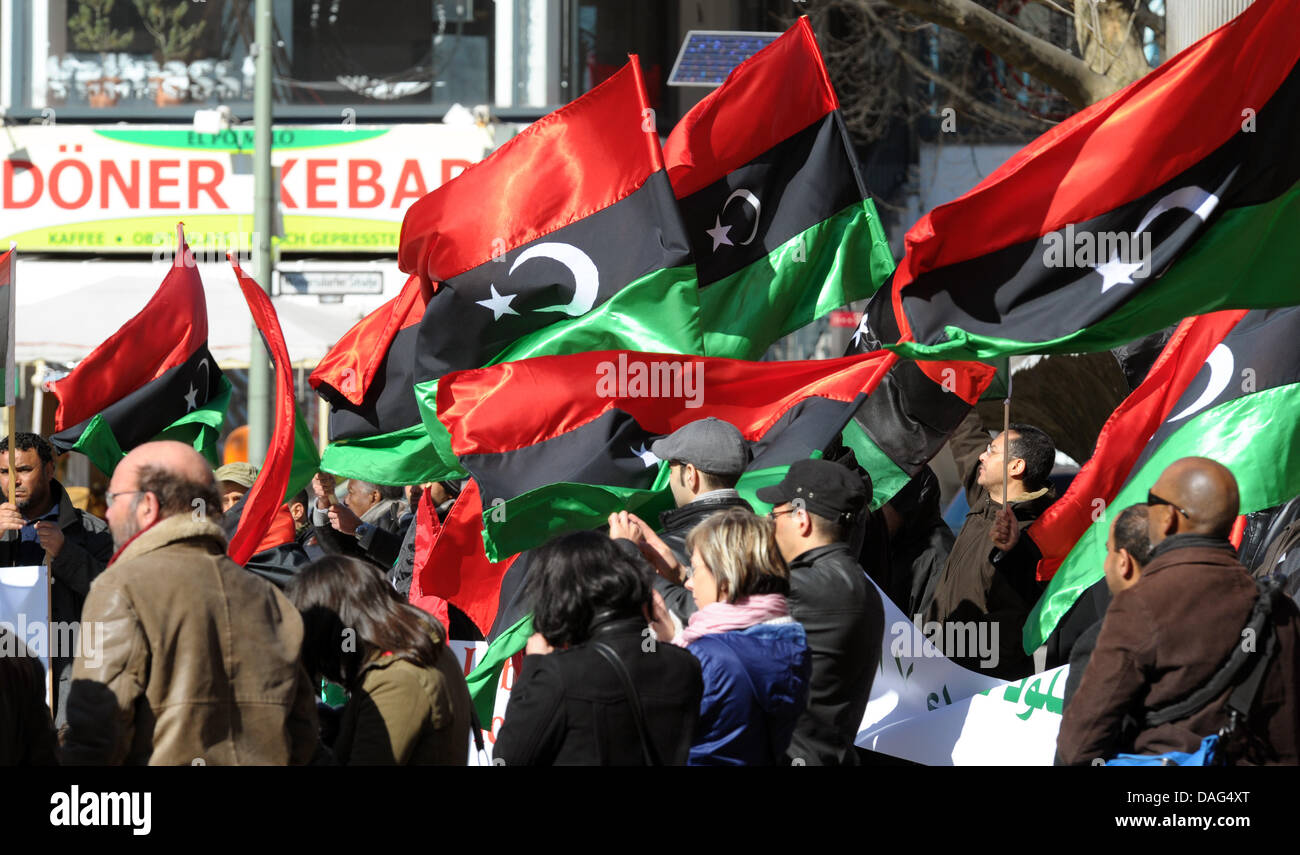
120	189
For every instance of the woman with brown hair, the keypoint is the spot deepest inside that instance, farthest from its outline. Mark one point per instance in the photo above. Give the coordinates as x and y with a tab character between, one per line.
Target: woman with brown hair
409	704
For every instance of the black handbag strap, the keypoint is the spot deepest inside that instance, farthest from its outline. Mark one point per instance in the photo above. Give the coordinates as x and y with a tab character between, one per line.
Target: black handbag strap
1243	668
633	699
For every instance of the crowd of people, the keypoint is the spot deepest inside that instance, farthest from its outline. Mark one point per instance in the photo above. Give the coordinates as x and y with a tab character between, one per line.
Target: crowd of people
714	636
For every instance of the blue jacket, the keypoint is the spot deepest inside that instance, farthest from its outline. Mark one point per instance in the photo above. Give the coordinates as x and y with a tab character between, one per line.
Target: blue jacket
755	688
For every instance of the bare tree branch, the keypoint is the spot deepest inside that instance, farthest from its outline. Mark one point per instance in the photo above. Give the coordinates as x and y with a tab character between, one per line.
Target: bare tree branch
1056	67
1034	124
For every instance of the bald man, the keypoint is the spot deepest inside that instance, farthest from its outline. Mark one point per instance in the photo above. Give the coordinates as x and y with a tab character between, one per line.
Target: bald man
191	659
1171	627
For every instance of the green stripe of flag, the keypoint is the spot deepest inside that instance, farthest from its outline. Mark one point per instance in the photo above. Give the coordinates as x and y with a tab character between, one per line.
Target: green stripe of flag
1257	437
841	259
886	476
306	460
401	457
486	676
199	428
532	518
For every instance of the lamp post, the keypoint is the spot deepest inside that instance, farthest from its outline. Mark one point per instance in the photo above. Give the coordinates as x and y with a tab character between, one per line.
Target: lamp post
259	368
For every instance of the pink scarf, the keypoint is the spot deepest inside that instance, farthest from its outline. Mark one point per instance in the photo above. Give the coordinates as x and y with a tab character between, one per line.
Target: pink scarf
725	617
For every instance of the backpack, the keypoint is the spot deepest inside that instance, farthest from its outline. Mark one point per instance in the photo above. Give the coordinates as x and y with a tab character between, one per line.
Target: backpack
1244	672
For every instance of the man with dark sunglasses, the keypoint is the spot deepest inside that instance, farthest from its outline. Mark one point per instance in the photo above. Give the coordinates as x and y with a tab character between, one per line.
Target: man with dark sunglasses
1169	631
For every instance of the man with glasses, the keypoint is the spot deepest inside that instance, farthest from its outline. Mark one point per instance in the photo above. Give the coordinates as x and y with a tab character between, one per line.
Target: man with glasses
1170	629
991	601
841	611
195	660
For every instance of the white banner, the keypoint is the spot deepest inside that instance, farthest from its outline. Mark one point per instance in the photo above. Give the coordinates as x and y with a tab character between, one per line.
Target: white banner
25	612
927	709
1012	724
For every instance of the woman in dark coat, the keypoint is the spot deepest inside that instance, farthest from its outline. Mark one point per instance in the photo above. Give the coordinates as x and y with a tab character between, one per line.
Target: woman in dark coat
571	705
408	703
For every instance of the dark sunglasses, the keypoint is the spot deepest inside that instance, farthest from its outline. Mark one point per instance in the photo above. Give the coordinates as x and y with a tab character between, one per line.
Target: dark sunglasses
1153	499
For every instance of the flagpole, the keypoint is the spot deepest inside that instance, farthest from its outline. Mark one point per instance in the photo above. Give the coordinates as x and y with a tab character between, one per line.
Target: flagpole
1006	439
260	412
10	380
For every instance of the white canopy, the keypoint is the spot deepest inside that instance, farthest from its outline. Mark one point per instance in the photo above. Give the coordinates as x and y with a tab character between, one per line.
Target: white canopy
67	308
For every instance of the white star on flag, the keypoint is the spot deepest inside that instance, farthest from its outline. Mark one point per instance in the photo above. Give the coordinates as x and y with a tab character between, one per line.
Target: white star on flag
191	400
500	305
719	234
647	457
1115	272
862	330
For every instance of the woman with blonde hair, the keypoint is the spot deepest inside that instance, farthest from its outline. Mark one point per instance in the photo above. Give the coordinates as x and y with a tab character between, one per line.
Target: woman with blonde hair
753	655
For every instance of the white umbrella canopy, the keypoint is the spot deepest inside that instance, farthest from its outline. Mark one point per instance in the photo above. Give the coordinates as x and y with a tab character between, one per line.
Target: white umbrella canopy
65	309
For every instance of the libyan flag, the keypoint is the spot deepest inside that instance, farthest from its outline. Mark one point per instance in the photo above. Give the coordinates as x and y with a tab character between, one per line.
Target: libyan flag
1226	387
781	226
152	379
1176	196
566	239
579	449
375	430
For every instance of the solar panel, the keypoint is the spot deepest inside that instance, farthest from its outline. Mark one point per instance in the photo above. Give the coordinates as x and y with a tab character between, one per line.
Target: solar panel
708	56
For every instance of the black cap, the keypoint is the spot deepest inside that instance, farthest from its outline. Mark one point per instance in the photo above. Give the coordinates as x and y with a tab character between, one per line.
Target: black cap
825	488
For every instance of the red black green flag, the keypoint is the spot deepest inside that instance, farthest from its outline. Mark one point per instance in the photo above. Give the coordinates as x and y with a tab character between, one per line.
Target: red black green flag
565	239
781	226
580	449
1227	387
152	379
375	429
1176	196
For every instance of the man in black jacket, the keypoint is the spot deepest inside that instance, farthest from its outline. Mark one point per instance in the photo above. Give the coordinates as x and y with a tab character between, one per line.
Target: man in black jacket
707	458
840	610
44	522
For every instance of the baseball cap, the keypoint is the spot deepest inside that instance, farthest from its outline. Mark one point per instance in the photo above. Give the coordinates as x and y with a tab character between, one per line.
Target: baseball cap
825	488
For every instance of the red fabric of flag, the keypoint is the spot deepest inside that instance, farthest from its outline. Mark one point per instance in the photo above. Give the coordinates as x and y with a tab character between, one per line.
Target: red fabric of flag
166	332
480	406
569	164
352	362
768	98
267	493
455	566
1125	435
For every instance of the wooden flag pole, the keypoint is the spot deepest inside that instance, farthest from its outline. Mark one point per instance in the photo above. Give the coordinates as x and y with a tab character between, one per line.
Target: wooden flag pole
1006	440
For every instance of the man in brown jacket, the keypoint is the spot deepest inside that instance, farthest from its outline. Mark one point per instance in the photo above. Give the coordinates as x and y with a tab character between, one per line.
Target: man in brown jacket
200	658
983	605
1171	626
